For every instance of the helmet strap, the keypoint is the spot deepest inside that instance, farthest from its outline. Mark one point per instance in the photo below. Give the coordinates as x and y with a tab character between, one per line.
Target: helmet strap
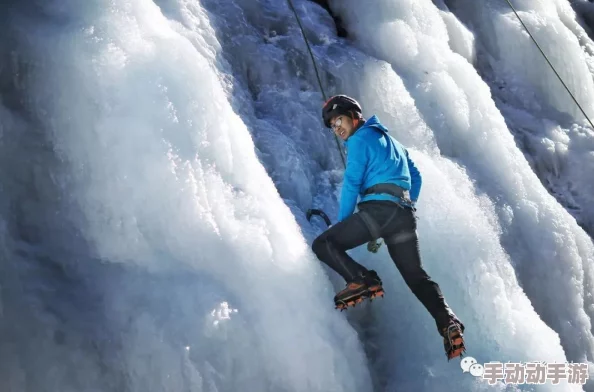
355	118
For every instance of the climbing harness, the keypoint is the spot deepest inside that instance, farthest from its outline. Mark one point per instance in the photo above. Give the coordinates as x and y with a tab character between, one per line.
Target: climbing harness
551	65
373	246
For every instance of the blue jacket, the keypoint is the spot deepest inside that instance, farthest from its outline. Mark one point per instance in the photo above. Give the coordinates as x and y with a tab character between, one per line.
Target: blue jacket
374	157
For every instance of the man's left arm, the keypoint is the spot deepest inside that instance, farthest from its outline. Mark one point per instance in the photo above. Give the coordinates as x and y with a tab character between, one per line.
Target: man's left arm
353	179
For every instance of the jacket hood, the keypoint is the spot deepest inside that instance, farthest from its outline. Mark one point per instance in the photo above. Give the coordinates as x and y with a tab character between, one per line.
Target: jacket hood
374	122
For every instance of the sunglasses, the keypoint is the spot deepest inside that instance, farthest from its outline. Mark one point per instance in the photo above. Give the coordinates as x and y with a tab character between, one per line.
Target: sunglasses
337	123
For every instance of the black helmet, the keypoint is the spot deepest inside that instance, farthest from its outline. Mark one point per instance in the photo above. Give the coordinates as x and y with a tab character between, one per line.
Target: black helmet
339	105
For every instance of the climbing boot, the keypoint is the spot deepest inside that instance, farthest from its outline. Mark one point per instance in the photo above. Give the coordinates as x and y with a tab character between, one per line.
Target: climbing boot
453	340
374	284
369	285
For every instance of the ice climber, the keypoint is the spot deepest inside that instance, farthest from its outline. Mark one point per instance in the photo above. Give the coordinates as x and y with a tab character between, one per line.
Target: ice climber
380	171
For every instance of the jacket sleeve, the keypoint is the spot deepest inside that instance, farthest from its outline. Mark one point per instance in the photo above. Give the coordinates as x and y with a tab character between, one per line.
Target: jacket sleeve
353	178
415	179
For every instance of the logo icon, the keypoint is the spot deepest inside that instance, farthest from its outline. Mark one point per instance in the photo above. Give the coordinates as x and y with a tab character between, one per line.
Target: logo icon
466	363
477	370
529	373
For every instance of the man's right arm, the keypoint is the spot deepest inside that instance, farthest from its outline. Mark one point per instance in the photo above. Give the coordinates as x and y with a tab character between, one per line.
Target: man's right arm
416	179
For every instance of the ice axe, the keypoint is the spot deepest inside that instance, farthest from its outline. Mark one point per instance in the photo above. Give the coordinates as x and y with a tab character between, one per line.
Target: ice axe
321	213
372	246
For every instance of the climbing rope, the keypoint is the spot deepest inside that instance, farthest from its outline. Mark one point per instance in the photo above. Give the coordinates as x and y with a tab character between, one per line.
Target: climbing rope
374	245
551	65
313	60
374	249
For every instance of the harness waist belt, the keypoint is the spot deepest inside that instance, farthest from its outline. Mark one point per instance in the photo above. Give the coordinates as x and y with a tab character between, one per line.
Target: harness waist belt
390	189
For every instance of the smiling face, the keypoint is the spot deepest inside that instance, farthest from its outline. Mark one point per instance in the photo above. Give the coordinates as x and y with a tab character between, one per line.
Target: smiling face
342	126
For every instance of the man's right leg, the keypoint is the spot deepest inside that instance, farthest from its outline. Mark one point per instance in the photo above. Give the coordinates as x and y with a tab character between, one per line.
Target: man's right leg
405	254
403	246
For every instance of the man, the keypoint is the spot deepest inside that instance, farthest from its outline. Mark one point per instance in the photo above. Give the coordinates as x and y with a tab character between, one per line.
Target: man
380	171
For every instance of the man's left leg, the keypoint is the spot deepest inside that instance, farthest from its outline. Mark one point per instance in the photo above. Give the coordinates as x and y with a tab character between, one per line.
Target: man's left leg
331	246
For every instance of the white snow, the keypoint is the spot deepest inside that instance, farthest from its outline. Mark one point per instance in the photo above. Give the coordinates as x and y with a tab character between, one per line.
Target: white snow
178	145
535	103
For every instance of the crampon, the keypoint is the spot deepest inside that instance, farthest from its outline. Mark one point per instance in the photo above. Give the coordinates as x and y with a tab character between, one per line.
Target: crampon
453	341
352	301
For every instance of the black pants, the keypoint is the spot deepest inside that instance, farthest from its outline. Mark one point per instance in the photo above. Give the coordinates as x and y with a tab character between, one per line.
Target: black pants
398	227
